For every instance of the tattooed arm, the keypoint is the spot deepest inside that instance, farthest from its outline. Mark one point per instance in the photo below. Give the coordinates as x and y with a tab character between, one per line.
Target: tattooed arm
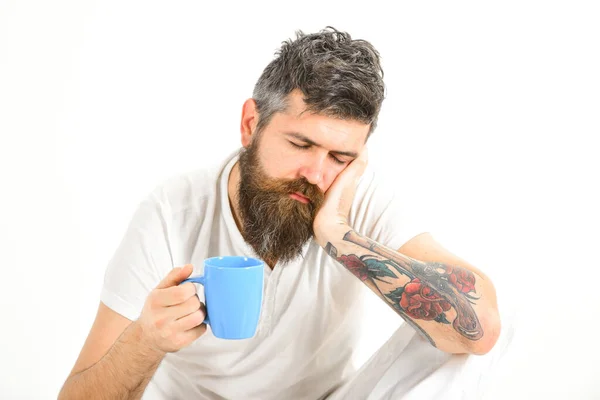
444	298
452	305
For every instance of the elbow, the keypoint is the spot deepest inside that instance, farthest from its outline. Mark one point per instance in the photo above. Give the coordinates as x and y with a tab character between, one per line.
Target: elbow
67	391
490	322
63	394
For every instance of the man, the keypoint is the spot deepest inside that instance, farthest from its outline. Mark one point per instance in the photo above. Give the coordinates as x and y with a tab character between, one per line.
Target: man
298	197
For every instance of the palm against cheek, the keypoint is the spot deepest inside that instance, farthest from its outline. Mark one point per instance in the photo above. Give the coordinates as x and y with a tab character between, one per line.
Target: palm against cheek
339	197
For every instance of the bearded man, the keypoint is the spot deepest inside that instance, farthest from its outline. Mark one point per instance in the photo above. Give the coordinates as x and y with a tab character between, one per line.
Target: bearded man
300	197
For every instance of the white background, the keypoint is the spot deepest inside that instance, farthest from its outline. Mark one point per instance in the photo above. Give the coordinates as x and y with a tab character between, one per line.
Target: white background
489	125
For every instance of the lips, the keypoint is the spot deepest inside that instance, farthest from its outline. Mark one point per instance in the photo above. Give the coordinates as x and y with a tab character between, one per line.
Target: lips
301	198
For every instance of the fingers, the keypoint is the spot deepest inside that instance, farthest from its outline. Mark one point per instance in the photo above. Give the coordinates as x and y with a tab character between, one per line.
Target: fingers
176	276
192	320
173	315
188	307
359	164
176	294
364	155
192	334
183	310
345	184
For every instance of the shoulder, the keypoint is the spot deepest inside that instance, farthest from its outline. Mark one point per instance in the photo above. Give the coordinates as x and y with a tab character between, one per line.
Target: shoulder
385	210
374	191
189	190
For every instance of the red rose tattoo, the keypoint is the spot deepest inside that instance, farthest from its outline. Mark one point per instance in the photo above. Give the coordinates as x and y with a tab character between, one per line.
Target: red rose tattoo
434	288
355	265
462	279
419	301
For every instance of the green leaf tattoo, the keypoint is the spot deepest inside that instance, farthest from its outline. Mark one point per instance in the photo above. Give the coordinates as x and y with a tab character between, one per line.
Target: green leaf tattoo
376	268
395	294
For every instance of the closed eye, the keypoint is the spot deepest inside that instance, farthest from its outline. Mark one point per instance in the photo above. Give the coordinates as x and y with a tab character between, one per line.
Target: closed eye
337	160
300	146
307	146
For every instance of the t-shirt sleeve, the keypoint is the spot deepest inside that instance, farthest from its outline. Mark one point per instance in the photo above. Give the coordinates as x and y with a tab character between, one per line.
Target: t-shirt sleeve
383	214
140	261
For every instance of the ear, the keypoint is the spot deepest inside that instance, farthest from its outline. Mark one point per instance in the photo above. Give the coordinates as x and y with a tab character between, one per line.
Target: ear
249	121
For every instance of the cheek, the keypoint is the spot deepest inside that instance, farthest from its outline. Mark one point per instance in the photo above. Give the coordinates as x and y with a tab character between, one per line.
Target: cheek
328	178
278	165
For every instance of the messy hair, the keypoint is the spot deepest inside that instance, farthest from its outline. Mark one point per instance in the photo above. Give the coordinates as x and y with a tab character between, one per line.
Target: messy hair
338	76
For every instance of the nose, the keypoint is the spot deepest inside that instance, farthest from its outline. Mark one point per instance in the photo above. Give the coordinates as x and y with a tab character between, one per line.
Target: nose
312	171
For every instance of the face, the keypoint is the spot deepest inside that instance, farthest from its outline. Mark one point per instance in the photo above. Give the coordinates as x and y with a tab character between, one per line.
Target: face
285	171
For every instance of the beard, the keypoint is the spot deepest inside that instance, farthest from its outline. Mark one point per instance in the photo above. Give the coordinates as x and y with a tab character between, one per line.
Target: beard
275	225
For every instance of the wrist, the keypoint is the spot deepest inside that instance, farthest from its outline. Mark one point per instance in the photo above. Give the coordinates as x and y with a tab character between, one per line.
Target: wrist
331	233
138	337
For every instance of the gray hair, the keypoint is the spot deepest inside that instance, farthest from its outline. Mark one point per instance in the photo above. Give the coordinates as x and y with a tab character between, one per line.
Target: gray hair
338	76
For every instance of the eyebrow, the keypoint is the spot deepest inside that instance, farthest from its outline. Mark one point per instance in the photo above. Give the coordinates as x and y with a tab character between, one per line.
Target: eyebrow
306	140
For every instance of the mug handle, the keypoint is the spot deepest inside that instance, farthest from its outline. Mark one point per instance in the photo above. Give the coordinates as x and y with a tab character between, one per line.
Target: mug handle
201	280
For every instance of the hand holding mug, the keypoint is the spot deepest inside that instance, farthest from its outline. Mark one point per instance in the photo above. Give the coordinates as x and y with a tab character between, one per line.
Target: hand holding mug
173	316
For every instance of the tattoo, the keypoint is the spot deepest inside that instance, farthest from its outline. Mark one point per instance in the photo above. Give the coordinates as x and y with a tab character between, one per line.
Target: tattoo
432	290
331	250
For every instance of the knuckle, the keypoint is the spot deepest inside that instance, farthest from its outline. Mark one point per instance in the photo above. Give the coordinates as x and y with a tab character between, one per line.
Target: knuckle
160	322
165	334
194	304
198	318
190	288
153	307
151	300
180	295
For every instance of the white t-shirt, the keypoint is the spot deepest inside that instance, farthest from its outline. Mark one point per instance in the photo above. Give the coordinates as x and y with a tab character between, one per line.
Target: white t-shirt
308	325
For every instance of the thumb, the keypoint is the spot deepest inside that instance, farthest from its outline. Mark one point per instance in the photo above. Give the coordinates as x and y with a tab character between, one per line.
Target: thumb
359	165
176	276
349	183
350	177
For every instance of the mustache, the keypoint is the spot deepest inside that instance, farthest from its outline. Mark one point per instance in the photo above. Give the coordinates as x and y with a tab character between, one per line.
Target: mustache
302	186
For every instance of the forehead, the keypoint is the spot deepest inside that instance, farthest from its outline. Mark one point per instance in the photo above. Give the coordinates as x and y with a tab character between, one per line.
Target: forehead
319	127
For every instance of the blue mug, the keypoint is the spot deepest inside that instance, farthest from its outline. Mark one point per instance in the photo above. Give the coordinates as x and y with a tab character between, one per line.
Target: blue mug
233	292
